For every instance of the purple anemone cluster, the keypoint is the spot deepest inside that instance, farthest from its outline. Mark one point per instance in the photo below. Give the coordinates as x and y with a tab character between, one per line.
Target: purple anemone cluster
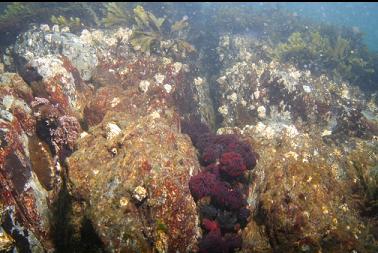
220	189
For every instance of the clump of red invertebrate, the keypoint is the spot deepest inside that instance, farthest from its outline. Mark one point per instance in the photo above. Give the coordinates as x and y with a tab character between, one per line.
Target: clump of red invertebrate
212	243
232	164
225	159
210	225
202	184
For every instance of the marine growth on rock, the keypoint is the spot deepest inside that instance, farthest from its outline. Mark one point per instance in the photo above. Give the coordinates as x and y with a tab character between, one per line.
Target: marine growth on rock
220	189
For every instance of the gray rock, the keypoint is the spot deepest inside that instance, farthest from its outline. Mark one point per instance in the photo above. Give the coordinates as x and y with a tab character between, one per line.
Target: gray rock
39	43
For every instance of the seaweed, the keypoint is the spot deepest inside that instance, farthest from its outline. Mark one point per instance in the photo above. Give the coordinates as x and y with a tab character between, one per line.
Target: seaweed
117	13
148	31
15	9
337	56
17	16
63	21
150	35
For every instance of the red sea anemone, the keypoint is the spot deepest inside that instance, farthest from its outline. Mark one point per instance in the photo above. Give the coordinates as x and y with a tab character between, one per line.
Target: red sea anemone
232	242
232	164
212	243
226	197
202	184
210	225
225	158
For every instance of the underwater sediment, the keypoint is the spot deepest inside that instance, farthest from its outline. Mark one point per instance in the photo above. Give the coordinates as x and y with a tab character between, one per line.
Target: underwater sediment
121	138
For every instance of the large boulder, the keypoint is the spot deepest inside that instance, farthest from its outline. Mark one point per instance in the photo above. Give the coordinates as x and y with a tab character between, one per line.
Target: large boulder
133	174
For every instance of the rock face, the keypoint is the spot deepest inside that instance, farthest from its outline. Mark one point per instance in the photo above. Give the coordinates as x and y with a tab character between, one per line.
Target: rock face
61	65
38	44
25	198
311	133
82	79
125	180
255	89
135	182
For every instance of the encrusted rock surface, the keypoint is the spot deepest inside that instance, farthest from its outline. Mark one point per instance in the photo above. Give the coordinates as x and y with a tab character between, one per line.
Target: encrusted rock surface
40	43
62	63
255	89
81	79
136	184
317	145
314	187
25	198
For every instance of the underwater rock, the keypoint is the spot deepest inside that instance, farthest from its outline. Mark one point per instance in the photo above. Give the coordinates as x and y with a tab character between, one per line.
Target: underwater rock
57	80
354	123
311	138
59	66
56	128
298	172
135	85
25	201
139	196
301	207
314	188
275	91
39	42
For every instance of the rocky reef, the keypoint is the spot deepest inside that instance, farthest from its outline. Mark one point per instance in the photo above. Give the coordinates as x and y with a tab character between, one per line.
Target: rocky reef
72	90
115	138
302	198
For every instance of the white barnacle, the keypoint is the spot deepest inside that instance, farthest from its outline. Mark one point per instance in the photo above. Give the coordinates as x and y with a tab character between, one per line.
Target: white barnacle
144	85
140	193
261	111
112	130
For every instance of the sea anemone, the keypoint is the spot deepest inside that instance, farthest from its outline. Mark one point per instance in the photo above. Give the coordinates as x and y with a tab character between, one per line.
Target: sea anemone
232	242
210	225
212	243
232	164
209	211
225	159
227	220
226	197
202	184
243	216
